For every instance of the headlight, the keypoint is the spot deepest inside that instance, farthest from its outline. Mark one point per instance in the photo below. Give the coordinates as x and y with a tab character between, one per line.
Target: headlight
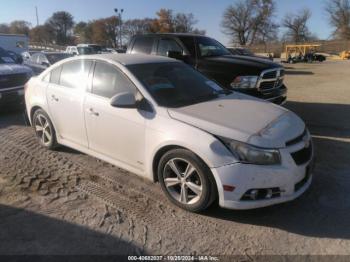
252	155
245	82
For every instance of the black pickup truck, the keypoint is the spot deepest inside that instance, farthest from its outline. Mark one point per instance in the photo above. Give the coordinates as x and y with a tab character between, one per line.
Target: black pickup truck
257	77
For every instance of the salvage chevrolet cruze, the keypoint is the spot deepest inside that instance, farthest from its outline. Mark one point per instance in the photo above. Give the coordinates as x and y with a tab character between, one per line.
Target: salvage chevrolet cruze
163	120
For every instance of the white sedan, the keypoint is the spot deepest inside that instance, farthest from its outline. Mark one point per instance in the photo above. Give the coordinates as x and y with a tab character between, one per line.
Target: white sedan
163	120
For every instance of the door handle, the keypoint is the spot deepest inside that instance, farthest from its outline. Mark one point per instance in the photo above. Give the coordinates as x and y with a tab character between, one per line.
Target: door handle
92	112
53	97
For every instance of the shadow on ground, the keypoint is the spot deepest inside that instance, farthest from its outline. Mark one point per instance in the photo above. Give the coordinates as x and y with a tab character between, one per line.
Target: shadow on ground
298	72
324	119
26	233
12	117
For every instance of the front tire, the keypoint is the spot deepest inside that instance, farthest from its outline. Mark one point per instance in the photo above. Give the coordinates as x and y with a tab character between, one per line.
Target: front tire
186	180
44	129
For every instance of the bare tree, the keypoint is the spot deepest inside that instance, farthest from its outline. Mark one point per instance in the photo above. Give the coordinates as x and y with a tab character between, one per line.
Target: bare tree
339	17
83	32
263	27
168	22
4	28
137	27
296	25
62	24
20	27
250	21
42	34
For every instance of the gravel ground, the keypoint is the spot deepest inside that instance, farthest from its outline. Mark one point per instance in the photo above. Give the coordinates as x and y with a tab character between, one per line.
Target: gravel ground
65	202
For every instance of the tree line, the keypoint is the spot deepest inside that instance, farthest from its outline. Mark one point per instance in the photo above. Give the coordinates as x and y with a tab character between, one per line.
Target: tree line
250	22
246	22
61	29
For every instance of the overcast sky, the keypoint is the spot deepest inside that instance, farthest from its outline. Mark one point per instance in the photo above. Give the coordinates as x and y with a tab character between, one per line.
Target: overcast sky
207	12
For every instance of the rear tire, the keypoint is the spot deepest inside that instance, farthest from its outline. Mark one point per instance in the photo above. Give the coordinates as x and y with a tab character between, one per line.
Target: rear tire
44	129
186	180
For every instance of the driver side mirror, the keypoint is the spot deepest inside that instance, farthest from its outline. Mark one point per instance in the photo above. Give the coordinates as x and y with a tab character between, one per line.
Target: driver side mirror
45	64
175	54
124	100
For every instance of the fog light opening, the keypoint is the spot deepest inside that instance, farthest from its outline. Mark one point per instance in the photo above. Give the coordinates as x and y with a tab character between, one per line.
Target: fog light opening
261	194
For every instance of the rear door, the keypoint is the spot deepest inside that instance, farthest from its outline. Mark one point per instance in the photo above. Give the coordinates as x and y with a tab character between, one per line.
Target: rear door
65	96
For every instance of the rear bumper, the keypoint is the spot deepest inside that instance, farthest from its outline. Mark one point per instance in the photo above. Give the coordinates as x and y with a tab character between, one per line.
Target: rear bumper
12	97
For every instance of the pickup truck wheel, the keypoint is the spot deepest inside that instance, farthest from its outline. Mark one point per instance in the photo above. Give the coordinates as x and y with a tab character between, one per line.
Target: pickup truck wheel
44	129
186	180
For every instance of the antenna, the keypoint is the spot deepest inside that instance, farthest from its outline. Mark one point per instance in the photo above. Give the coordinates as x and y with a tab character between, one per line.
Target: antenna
37	16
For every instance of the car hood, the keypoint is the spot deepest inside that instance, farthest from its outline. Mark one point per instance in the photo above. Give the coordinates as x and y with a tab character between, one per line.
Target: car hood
243	118
8	69
245	61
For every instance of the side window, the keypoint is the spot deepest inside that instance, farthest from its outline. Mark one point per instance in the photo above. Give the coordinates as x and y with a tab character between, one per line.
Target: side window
47	77
108	81
55	75
188	42
75	74
143	45
34	58
42	59
166	45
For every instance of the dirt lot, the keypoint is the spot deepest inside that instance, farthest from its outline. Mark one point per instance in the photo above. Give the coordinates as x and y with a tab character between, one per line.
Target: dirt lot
66	202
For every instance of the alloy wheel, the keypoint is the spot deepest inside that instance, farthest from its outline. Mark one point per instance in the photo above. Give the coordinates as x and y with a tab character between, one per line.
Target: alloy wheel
43	129
182	181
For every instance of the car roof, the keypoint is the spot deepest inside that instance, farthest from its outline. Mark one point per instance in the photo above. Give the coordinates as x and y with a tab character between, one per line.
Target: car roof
130	59
51	53
171	34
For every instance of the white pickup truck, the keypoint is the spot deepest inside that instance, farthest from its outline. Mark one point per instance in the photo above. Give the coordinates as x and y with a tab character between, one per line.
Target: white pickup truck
12	80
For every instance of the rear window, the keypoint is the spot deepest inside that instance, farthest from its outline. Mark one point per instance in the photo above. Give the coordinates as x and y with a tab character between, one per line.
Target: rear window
75	74
55	75
143	45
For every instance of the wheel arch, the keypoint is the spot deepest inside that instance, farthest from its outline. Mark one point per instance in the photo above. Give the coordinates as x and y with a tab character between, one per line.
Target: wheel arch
163	150
32	111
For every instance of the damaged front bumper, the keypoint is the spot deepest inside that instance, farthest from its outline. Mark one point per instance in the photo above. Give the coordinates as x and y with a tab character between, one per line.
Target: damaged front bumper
280	183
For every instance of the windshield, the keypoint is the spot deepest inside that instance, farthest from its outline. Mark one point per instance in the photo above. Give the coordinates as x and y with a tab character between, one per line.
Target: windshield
96	48
176	84
54	58
246	52
210	47
86	50
5	57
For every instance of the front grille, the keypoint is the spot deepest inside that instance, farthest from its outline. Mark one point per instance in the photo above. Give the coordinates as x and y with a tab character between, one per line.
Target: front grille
271	79
271	74
267	85
296	140
302	156
8	81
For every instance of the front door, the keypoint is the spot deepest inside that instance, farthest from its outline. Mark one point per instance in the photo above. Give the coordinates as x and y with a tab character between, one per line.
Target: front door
118	133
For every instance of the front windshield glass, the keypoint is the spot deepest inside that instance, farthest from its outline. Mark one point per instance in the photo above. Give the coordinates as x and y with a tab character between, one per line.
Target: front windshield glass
176	84
54	58
210	47
86	51
247	52
5	57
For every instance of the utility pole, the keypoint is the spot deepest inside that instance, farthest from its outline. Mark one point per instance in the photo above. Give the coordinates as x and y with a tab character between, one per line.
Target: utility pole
37	16
119	14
